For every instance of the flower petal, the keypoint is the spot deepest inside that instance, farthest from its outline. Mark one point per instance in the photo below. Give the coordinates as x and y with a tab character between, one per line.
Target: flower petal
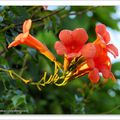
18	40
66	37
90	63
106	37
105	71
88	50
100	29
27	26
80	36
60	49
112	49
94	75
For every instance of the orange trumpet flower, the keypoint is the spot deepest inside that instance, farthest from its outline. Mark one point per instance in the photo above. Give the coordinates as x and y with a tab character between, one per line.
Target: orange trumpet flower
27	39
101	59
96	56
71	42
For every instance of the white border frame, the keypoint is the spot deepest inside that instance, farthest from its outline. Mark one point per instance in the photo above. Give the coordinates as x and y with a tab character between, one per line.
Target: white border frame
59	3
60	117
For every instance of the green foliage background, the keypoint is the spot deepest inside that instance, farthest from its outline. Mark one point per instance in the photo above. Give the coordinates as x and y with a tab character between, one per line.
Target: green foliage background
79	96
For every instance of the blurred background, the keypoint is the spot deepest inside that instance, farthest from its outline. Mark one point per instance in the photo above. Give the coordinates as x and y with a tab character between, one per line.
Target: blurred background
80	96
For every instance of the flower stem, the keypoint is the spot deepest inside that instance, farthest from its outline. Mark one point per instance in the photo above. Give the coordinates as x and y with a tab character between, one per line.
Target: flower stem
13	74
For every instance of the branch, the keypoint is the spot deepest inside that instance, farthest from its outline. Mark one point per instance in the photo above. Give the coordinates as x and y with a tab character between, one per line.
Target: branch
13	75
39	19
49	15
53	13
8	27
81	12
76	13
42	18
84	11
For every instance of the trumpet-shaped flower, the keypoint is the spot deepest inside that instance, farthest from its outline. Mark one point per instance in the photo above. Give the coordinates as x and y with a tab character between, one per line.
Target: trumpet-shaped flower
96	56
71	45
101	61
27	39
71	42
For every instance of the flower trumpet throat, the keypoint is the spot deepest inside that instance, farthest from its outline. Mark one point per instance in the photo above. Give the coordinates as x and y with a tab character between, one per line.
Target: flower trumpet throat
27	39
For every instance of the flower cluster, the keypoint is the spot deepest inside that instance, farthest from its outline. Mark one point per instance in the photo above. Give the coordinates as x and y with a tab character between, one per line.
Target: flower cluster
72	45
80	58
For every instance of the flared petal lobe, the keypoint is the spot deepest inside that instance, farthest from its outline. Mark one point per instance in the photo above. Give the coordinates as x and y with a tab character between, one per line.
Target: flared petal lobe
101	30
112	49
106	37
60	49
65	37
94	75
18	40
27	25
80	36
88	50
105	71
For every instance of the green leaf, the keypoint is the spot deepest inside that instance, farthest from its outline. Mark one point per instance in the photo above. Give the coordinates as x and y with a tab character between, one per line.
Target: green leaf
19	100
106	18
81	21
